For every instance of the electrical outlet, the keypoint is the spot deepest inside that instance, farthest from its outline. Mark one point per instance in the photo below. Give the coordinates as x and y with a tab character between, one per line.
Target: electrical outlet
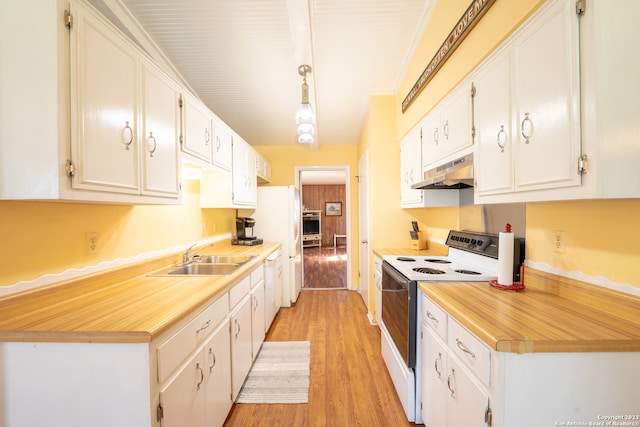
91	242
558	242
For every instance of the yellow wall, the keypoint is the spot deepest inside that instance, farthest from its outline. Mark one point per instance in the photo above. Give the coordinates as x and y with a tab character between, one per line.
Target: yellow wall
49	237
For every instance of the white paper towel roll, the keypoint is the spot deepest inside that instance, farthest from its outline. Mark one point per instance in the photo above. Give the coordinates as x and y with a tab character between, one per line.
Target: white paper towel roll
505	259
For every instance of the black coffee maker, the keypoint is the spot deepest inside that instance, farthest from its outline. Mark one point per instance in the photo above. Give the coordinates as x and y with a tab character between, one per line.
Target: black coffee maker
244	232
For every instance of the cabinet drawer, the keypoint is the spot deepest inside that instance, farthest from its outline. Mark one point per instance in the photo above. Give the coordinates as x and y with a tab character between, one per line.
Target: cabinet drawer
470	350
239	290
434	317
257	275
176	349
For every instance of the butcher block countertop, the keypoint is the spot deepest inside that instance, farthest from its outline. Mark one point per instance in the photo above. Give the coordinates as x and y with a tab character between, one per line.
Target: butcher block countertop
120	306
552	314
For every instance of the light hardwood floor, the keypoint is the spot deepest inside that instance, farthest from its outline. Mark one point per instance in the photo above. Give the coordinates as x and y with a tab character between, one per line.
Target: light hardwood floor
325	267
349	383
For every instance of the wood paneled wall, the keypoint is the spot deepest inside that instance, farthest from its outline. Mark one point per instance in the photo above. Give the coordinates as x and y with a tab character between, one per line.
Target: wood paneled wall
314	198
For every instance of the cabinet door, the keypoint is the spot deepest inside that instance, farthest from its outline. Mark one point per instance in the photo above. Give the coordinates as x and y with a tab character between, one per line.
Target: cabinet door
160	135
434	380
547	110
196	128
240	345
217	356
494	163
183	398
466	402
431	137
257	318
411	167
455	122
105	124
222	144
245	184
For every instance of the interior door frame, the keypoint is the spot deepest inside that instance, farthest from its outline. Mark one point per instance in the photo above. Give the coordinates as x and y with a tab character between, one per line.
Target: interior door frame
347	212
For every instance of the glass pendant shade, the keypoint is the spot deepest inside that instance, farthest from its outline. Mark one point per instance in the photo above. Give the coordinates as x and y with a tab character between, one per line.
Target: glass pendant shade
305	138
305	128
305	114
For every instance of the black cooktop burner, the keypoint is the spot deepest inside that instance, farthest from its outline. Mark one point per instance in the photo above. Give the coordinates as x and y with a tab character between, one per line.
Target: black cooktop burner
406	259
466	272
426	270
437	261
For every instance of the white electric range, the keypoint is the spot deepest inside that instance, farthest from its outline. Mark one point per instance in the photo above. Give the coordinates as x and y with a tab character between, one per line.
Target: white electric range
471	257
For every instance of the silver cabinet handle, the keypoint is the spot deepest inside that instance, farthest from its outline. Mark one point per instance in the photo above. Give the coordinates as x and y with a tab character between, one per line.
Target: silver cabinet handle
529	128
445	129
204	326
437	366
464	348
127	135
237	328
213	359
218	143
432	318
502	144
201	372
151	144
436	136
451	382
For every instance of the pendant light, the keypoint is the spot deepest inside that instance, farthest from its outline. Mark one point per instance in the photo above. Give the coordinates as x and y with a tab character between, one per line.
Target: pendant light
305	118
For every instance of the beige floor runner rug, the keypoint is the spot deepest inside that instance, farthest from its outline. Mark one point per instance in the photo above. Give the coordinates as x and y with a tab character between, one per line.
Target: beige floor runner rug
280	374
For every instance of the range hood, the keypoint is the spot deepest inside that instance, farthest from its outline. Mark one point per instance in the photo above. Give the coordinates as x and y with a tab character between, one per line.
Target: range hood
452	175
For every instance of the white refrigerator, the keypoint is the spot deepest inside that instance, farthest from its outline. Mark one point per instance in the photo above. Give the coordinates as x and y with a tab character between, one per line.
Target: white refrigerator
278	220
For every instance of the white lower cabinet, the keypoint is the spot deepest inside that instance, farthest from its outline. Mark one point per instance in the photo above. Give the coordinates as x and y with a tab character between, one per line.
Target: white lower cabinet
241	344
217	354
199	394
450	397
258	325
467	384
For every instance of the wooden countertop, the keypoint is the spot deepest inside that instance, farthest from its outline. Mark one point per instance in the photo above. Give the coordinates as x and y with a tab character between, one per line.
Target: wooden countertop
553	314
123	305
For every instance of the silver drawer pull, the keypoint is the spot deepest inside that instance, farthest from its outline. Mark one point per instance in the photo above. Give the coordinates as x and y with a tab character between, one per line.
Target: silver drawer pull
204	326
432	318
464	348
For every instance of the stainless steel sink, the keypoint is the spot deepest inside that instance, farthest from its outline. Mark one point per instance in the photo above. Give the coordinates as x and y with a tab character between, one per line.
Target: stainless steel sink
204	269
233	259
208	265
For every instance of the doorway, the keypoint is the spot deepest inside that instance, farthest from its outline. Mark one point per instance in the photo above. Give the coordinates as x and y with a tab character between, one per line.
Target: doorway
325	205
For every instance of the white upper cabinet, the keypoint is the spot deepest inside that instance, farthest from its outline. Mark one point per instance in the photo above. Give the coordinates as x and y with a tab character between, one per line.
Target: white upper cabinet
556	110
105	103
244	178
222	145
124	114
447	128
160	133
89	111
527	109
494	136
197	128
411	168
546	100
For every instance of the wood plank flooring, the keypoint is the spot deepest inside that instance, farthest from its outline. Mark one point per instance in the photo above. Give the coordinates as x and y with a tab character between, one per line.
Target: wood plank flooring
325	267
349	383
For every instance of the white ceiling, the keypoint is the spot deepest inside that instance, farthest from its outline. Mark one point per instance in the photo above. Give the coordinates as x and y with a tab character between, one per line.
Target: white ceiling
241	57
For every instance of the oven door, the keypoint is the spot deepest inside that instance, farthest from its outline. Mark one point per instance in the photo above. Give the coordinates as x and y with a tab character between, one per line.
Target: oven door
399	311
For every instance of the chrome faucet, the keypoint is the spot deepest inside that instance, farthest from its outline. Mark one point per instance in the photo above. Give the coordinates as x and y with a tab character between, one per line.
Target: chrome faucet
187	256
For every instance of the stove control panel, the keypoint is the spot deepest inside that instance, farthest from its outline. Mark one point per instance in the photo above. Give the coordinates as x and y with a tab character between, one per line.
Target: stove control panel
483	244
